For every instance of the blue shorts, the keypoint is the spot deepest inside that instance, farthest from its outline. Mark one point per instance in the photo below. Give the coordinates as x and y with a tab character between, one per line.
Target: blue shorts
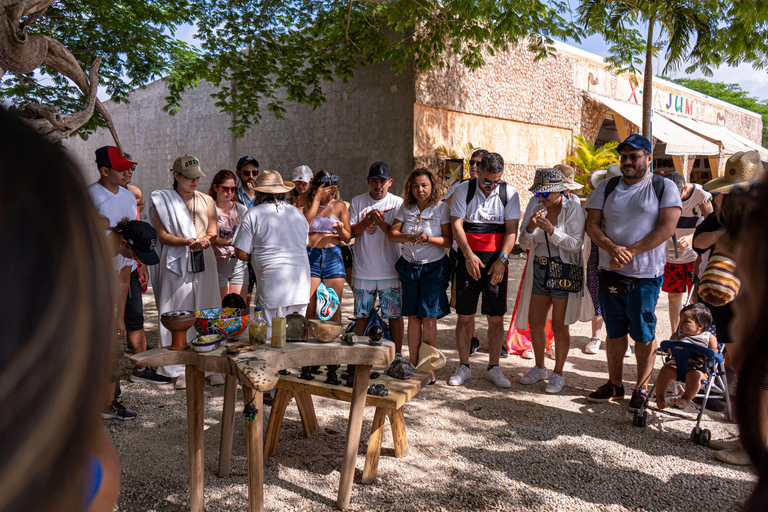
326	263
632	314
424	287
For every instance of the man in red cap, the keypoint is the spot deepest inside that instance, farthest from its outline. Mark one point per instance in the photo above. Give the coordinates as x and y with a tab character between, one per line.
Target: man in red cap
114	203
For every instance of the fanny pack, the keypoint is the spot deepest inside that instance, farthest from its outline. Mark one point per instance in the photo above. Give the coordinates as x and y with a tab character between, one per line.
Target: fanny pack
613	283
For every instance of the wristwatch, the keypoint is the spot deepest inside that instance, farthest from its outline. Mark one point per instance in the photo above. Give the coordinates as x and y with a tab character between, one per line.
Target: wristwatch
503	259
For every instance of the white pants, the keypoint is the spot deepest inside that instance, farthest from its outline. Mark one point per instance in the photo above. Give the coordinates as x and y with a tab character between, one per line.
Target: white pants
287	310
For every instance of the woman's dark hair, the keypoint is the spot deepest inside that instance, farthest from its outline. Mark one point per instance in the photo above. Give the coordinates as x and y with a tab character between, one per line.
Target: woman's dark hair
54	346
699	313
408	200
221	176
262	197
752	237
175	181
316	183
479	152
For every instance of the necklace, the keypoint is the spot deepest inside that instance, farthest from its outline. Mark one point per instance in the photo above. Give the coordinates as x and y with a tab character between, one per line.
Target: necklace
324	205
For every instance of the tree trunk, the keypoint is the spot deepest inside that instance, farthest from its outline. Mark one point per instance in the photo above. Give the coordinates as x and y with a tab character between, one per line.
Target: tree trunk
648	82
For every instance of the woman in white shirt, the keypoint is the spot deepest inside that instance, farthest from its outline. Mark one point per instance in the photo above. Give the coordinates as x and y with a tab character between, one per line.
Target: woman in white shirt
551	230
423	225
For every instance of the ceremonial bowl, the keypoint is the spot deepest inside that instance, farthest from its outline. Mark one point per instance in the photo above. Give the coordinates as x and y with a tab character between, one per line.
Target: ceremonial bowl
230	321
208	342
325	331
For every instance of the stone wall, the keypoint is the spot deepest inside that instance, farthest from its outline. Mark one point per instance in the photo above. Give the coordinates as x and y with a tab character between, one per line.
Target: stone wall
366	120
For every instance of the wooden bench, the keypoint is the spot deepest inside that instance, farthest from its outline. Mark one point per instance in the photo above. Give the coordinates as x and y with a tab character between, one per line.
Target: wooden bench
390	406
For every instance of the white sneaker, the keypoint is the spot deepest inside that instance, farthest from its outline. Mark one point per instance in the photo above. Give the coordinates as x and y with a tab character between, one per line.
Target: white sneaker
181	382
535	375
555	384
628	353
462	374
592	346
527	354
216	379
494	375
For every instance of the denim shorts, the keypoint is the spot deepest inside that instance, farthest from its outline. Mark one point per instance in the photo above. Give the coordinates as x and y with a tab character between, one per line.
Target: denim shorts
232	271
326	263
540	281
424	287
632	314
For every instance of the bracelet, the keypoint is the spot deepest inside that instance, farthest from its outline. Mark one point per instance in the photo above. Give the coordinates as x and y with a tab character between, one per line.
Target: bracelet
502	255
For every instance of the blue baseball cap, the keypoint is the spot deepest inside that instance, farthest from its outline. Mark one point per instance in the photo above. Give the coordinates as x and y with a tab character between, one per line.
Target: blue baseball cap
637	142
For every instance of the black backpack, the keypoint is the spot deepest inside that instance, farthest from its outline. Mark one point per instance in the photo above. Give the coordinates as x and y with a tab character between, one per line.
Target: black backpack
657	182
473	189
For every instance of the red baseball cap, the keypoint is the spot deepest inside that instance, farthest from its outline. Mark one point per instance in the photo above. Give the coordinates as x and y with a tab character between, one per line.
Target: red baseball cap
109	156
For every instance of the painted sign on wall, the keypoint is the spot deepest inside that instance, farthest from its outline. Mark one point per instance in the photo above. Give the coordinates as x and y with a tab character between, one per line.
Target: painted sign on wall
667	101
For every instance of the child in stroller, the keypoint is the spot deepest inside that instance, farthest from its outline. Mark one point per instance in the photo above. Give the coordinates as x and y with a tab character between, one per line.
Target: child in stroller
694	320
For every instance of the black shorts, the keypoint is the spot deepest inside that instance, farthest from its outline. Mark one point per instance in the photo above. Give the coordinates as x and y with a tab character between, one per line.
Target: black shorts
347	255
134	310
468	290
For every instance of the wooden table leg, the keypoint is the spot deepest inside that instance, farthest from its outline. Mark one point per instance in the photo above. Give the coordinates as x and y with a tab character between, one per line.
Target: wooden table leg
195	388
279	404
307	412
356	410
374	446
227	426
397	422
254	434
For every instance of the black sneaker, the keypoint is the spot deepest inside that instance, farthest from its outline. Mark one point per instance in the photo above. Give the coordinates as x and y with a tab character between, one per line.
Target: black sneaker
149	375
639	397
117	411
473	346
504	354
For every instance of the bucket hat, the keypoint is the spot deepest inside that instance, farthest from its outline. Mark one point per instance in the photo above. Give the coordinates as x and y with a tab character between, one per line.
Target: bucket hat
742	170
270	182
596	177
568	177
548	179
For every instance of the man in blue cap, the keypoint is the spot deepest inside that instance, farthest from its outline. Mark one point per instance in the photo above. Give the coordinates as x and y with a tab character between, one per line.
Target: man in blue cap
630	218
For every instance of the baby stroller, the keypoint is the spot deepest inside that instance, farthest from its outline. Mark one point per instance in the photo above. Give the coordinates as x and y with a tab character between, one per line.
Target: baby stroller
715	380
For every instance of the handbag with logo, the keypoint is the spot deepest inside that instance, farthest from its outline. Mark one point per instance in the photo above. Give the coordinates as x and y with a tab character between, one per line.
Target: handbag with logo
719	285
563	276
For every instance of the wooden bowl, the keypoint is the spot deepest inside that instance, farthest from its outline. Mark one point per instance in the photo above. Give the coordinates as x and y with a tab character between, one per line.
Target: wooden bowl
325	331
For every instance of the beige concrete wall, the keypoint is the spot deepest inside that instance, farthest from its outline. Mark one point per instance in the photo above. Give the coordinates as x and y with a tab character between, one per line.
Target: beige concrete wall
368	119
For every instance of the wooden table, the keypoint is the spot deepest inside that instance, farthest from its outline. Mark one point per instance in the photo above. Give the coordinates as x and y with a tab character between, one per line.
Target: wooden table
257	372
390	406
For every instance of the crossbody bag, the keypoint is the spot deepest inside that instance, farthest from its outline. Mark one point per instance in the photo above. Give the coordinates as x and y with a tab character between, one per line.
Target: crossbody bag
561	276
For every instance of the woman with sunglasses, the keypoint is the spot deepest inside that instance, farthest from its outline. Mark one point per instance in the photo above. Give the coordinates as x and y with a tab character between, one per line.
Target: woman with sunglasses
233	273
328	219
423	225
552	230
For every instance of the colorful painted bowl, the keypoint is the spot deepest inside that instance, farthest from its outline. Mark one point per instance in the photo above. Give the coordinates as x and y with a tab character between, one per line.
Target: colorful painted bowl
208	342
230	321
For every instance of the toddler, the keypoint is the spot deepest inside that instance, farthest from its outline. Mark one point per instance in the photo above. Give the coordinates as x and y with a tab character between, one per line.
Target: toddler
694	320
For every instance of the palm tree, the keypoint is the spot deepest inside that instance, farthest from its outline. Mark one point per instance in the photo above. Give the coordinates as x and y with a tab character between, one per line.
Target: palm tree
588	158
690	27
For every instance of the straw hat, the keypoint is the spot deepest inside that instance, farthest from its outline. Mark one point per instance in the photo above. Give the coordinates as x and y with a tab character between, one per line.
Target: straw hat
741	171
548	179
598	176
568	174
270	182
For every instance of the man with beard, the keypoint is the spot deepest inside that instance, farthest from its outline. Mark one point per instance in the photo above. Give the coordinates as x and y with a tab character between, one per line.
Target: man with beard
630	218
247	170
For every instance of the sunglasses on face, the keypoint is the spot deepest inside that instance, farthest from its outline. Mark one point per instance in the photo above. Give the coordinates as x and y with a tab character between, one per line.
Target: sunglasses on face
494	183
227	189
250	173
630	158
332	179
133	168
545	195
474	162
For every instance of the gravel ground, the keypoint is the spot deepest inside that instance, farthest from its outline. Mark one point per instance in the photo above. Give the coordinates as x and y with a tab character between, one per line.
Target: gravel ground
474	447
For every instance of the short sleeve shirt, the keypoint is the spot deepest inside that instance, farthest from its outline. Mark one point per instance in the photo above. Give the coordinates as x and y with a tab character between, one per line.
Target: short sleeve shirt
375	256
430	221
115	207
630	213
485	210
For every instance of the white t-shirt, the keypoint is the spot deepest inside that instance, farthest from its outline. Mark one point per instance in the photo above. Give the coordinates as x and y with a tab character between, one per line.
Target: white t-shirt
115	207
687	225
431	222
276	238
630	214
375	255
485	210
